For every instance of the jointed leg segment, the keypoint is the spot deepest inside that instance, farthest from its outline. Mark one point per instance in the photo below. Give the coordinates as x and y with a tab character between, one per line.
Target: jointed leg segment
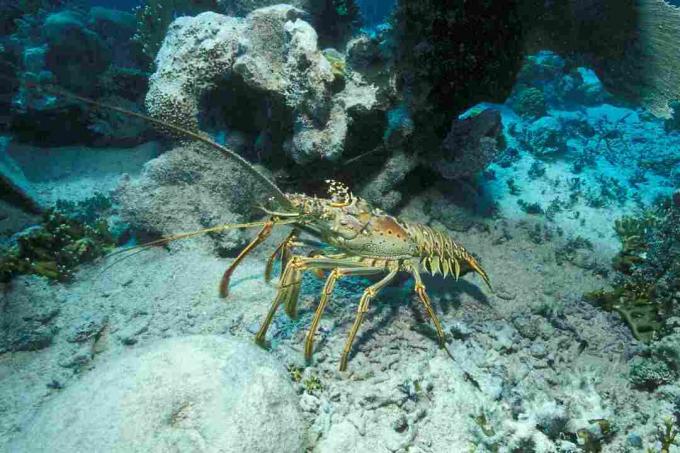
261	236
367	296
284	249
422	295
290	285
325	295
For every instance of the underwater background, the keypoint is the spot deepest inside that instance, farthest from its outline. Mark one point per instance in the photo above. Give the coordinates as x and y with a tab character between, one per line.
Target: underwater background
541	136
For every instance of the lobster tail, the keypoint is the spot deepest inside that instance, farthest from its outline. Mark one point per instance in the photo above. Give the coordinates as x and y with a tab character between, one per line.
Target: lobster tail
441	254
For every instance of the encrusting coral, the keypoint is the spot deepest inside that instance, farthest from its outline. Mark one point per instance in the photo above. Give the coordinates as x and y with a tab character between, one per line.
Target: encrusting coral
154	17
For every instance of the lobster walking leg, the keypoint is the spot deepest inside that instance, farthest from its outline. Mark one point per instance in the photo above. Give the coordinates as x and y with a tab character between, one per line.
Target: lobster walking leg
261	236
283	249
422	295
369	293
293	293
325	295
290	283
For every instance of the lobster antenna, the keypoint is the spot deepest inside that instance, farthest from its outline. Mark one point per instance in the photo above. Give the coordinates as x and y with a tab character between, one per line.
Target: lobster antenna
229	154
175	237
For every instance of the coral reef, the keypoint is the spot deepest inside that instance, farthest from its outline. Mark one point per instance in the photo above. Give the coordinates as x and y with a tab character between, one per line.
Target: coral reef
68	235
186	189
646	292
530	367
452	55
272	52
530	102
673	123
470	145
84	51
626	43
154	16
545	137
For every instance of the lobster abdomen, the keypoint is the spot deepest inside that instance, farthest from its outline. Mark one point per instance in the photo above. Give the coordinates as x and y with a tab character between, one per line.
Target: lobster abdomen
439	253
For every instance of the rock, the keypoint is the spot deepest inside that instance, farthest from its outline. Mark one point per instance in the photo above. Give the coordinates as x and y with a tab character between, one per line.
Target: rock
460	330
634	440
672	123
333	20
540	68
470	145
15	185
371	57
76	55
187	189
197	393
544	137
584	259
364	53
270	57
379	190
9	61
88	328
341	437
676	198
27	316
132	329
75	356
116	28
309	403
580	86
74	49
241	8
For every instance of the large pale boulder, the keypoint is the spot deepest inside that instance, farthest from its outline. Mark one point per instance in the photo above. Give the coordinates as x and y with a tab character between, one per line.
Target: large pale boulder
191	394
271	59
189	188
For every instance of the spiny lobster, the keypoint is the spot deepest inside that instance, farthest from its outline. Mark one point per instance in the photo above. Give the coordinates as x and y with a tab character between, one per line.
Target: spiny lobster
365	241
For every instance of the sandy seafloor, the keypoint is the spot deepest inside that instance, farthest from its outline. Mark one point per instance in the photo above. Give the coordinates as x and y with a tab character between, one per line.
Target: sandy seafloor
513	356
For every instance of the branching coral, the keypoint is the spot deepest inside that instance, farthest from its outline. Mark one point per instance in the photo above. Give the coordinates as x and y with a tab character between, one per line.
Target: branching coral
668	435
649	261
69	235
530	102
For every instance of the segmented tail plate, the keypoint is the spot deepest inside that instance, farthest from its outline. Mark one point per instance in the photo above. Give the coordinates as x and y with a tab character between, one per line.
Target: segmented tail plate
441	254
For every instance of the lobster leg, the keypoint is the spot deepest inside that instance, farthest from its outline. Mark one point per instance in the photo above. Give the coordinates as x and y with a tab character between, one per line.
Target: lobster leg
325	295
294	295
369	293
422	295
290	283
261	236
283	249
